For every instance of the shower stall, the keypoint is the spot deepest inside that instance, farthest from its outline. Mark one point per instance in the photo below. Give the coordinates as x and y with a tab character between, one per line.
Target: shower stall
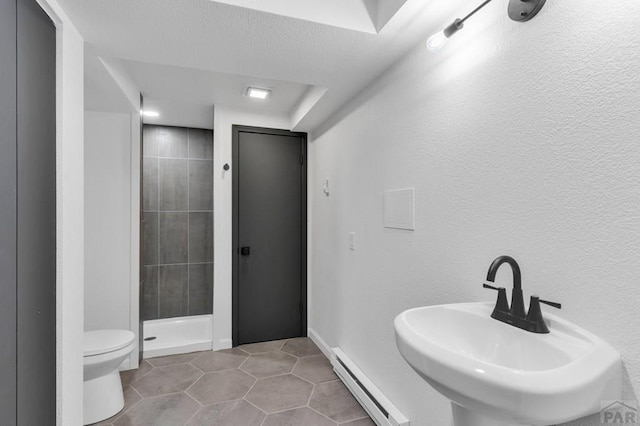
177	224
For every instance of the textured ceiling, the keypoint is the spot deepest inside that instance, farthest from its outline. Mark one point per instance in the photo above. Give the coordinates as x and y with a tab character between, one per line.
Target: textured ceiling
206	87
208	36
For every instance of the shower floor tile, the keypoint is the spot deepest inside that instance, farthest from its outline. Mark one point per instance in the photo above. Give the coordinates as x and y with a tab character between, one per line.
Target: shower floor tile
285	382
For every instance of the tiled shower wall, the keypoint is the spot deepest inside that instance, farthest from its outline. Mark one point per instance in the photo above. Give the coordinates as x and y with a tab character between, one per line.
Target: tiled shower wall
178	222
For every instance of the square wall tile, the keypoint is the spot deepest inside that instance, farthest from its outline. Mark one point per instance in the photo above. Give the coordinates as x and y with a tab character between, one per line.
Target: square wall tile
173	142
150	140
173	291
200	185
150	238
200	288
173	184
200	237
201	144
150	293
173	238
150	183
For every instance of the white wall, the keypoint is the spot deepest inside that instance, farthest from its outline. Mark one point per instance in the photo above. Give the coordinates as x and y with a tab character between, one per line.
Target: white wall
520	139
69	228
112	204
107	220
222	219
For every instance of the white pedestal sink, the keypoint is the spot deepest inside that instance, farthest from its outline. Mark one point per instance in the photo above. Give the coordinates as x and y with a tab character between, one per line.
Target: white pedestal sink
496	374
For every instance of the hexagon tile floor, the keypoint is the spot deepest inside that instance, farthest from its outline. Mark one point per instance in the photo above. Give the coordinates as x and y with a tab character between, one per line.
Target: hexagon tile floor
280	383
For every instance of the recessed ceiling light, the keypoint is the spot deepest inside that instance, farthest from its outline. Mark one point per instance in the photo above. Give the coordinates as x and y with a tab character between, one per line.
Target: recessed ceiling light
256	92
150	113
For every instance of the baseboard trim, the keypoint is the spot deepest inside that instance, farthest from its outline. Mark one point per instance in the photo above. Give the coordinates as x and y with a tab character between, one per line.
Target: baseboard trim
320	343
222	344
378	406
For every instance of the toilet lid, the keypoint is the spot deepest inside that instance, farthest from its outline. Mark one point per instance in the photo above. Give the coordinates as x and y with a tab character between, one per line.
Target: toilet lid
105	341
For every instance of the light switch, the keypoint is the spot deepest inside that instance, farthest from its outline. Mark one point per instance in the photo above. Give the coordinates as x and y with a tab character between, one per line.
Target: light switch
399	209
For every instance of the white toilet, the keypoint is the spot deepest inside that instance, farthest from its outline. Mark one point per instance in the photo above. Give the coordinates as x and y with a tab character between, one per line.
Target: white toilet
104	351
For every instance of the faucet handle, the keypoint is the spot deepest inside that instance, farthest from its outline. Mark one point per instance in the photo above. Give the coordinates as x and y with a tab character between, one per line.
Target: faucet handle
502	305
534	316
485	285
554	304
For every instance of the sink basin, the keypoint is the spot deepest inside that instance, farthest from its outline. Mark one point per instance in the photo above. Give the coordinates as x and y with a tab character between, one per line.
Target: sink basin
495	373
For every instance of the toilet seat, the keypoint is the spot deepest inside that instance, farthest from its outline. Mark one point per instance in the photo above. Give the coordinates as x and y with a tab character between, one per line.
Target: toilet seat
100	342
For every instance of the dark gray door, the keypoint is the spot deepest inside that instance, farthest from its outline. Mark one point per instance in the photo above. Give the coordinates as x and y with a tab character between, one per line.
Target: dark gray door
269	183
27	214
8	214
36	213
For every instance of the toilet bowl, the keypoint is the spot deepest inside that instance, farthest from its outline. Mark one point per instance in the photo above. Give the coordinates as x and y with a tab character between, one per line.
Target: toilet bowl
104	351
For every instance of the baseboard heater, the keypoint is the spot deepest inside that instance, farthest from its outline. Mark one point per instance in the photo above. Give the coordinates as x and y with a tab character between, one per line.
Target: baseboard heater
379	408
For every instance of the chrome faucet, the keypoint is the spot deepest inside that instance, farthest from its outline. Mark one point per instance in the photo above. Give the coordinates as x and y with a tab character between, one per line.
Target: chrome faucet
515	315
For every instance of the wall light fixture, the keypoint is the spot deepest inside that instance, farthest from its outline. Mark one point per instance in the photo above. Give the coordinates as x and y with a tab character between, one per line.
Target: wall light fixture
518	10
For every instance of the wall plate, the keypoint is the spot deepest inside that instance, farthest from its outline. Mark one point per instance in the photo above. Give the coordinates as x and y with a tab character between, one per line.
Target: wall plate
399	209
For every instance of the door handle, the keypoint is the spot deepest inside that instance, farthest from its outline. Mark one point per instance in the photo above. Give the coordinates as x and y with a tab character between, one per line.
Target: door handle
245	251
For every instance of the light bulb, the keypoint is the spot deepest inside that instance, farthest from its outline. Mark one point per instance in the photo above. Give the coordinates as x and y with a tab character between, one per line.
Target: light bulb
436	41
439	39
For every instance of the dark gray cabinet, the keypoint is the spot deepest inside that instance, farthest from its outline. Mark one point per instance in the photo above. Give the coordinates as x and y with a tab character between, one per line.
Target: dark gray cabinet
27	214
